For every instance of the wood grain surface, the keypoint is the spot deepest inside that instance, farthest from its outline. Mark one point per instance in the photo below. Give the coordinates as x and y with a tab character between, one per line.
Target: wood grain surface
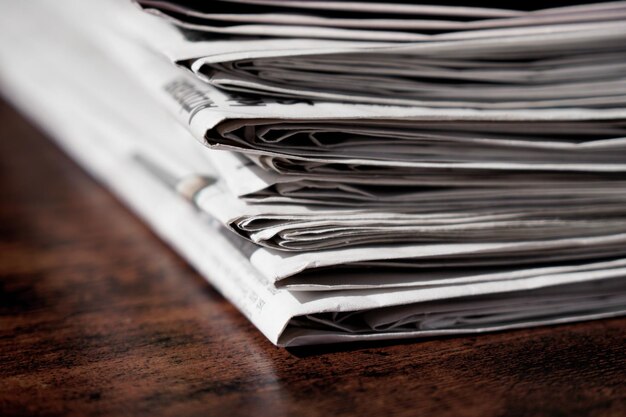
99	317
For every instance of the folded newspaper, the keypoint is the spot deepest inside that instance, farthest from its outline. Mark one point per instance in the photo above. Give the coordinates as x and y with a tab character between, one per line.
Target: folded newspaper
338	220
484	58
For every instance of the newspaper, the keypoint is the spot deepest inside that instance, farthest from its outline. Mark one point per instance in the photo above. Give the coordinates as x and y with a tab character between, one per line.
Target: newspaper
299	227
557	57
363	21
432	191
573	65
115	127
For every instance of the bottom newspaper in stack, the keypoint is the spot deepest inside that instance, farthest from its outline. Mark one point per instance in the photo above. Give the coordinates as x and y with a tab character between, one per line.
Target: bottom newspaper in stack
264	257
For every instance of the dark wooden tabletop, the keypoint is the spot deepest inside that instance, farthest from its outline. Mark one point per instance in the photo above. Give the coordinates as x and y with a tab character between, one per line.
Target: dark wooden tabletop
99	317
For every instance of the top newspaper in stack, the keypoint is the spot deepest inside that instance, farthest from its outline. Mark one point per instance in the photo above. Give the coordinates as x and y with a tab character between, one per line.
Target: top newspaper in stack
563	57
366	21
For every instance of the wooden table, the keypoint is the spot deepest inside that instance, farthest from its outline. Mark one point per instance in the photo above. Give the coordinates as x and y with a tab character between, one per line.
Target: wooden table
99	317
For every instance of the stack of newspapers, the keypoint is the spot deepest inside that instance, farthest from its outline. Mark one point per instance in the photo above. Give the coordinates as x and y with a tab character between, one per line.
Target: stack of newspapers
351	170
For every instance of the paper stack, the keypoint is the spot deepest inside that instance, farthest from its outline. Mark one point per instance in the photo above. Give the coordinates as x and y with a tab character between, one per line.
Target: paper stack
382	170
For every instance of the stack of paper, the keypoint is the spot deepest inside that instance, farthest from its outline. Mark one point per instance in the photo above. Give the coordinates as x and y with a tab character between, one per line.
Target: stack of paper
465	175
